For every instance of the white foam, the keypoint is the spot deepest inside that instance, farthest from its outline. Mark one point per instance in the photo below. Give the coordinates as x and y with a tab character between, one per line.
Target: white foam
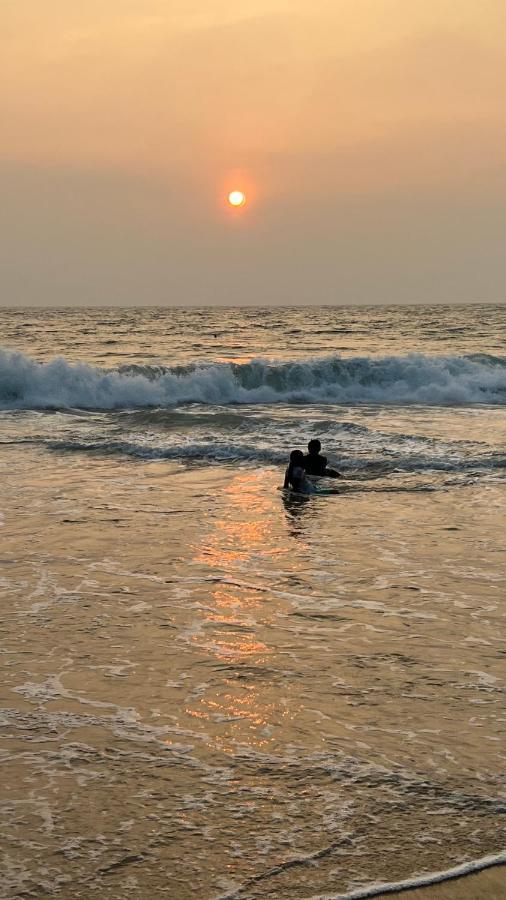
475	865
415	378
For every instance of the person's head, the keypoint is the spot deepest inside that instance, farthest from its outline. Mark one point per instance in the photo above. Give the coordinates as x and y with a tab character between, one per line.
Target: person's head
296	458
295	471
314	447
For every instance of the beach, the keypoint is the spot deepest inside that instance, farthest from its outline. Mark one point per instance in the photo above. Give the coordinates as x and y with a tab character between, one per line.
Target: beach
490	884
212	688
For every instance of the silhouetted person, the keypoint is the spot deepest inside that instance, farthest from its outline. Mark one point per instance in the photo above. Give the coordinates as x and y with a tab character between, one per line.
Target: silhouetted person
295	476
315	464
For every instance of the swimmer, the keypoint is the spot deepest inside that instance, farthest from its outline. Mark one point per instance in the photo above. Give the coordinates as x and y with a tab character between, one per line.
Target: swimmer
295	476
315	464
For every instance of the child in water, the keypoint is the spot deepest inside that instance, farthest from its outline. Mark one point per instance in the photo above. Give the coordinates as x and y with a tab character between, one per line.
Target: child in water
295	476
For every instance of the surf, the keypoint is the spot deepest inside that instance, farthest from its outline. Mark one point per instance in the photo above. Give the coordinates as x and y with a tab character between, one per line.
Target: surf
446	380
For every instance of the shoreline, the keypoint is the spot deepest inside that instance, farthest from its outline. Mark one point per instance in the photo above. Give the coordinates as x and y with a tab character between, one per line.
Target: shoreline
488	883
476	880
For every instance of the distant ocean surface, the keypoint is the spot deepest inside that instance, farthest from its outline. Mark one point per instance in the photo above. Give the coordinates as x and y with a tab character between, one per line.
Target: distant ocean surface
216	690
234	384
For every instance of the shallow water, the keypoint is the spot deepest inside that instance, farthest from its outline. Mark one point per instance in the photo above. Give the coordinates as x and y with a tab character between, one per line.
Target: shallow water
215	690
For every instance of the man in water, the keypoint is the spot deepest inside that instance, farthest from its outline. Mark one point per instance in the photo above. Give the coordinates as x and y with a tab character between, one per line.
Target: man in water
315	464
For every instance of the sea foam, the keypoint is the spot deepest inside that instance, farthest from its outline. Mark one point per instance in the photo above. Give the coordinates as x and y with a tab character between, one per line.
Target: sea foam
411	379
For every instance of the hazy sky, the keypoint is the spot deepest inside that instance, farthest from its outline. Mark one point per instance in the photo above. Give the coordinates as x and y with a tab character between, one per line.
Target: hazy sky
369	136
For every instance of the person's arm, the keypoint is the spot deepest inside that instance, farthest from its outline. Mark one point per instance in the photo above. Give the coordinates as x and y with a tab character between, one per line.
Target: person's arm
330	473
286	482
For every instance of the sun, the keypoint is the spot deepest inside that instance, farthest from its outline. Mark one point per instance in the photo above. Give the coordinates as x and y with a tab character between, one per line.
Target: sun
236	198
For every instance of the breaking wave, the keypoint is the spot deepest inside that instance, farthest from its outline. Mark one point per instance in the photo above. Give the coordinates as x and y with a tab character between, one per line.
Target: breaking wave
232	452
411	379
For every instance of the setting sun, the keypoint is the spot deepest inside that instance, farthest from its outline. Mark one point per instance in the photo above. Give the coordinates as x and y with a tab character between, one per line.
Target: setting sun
236	198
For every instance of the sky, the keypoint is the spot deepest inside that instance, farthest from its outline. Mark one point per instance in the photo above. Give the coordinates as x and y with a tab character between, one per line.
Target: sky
368	135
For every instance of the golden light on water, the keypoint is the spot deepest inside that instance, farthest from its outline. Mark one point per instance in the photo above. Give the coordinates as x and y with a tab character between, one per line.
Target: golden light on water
237	198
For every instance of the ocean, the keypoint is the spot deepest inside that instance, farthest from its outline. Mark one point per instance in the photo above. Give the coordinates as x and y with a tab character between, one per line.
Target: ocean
215	690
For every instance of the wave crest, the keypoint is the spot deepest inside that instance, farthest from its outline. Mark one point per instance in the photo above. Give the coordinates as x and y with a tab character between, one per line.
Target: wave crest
410	379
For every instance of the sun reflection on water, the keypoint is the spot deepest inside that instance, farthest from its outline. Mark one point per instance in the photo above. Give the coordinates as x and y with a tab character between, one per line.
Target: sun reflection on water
245	704
246	530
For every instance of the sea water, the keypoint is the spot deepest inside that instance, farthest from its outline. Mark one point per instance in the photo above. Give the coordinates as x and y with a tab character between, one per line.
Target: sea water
211	689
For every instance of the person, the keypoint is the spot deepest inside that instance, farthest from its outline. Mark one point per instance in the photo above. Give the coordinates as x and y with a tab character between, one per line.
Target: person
316	464
295	476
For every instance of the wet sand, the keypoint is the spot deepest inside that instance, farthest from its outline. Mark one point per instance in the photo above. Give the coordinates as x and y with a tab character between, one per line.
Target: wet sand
487	885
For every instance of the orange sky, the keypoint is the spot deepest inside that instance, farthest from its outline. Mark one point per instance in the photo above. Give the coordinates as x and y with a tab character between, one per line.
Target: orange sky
370	136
